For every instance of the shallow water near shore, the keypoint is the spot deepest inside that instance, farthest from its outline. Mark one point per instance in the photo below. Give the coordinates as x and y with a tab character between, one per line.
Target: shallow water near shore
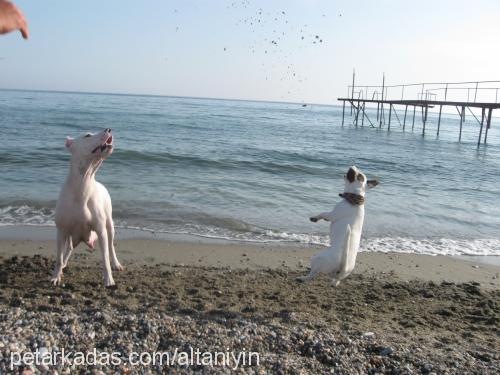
254	171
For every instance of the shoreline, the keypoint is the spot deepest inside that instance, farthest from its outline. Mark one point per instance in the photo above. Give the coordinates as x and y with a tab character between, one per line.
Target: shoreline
47	233
192	251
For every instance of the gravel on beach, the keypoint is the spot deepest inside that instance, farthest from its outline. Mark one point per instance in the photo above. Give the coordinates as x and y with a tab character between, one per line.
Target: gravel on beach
367	325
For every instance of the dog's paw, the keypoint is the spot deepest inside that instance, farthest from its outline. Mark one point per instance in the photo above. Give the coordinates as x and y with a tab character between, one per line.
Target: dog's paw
302	279
314	219
109	282
118	267
56	280
335	283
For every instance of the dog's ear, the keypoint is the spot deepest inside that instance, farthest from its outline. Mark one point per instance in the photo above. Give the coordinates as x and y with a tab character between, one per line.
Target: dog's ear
69	142
371	183
351	175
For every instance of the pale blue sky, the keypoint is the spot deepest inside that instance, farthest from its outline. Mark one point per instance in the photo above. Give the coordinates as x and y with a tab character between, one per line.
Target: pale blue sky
177	47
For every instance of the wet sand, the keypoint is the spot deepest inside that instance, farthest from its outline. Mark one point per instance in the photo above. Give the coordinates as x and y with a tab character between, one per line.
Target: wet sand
236	255
397	313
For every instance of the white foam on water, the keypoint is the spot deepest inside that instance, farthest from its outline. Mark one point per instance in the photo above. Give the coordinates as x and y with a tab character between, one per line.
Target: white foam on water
25	215
441	246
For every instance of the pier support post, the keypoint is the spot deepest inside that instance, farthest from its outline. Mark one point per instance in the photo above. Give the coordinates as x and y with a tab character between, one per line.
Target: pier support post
357	113
380	116
488	124
439	119
363	116
413	123
382	102
390	111
424	119
343	112
481	128
462	115
404	120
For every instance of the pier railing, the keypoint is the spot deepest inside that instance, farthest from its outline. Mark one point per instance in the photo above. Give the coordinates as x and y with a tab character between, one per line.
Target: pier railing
470	91
473	96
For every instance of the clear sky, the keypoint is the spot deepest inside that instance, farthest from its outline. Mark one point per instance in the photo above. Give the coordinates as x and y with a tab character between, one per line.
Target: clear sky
249	49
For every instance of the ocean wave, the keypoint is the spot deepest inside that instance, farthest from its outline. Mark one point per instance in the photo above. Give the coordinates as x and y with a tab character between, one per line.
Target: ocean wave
438	246
194	161
38	214
26	215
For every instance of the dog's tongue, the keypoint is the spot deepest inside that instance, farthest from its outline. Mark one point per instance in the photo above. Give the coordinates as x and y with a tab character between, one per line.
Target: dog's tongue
109	142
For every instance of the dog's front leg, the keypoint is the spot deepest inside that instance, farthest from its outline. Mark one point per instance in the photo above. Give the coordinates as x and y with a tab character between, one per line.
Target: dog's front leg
106	266
62	241
111	236
328	216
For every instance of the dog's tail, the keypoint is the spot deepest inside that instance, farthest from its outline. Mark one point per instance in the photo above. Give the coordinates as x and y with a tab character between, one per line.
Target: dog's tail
346	250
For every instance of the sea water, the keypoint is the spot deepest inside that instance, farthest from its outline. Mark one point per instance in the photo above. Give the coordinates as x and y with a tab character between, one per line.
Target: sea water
256	171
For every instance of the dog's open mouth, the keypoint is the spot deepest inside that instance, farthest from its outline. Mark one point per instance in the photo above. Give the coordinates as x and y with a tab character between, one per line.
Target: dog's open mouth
105	145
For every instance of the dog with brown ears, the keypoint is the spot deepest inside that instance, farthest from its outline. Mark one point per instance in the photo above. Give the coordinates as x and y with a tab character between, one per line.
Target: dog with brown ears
346	224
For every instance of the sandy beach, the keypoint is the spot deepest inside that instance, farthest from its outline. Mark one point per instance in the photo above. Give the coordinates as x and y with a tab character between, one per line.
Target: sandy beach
397	313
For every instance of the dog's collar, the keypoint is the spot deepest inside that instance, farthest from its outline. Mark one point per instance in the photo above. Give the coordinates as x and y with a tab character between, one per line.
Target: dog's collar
354	199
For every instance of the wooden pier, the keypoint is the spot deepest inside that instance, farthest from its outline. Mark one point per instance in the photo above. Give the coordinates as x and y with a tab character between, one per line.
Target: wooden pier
478	96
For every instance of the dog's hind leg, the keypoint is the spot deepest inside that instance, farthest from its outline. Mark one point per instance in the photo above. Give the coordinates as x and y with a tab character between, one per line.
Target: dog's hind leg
67	252
62	241
346	255
304	279
316	262
111	236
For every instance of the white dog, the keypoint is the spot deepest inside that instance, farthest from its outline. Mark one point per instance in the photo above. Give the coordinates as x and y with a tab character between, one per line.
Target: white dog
83	211
345	229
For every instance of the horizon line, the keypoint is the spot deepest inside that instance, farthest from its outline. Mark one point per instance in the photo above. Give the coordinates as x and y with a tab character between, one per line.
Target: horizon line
166	96
186	97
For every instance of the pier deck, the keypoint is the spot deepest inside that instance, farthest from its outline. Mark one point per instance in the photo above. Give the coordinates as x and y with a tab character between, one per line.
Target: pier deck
480	96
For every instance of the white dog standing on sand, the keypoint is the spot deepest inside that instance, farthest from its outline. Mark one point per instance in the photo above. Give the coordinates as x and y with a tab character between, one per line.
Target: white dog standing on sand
345	230
83	211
